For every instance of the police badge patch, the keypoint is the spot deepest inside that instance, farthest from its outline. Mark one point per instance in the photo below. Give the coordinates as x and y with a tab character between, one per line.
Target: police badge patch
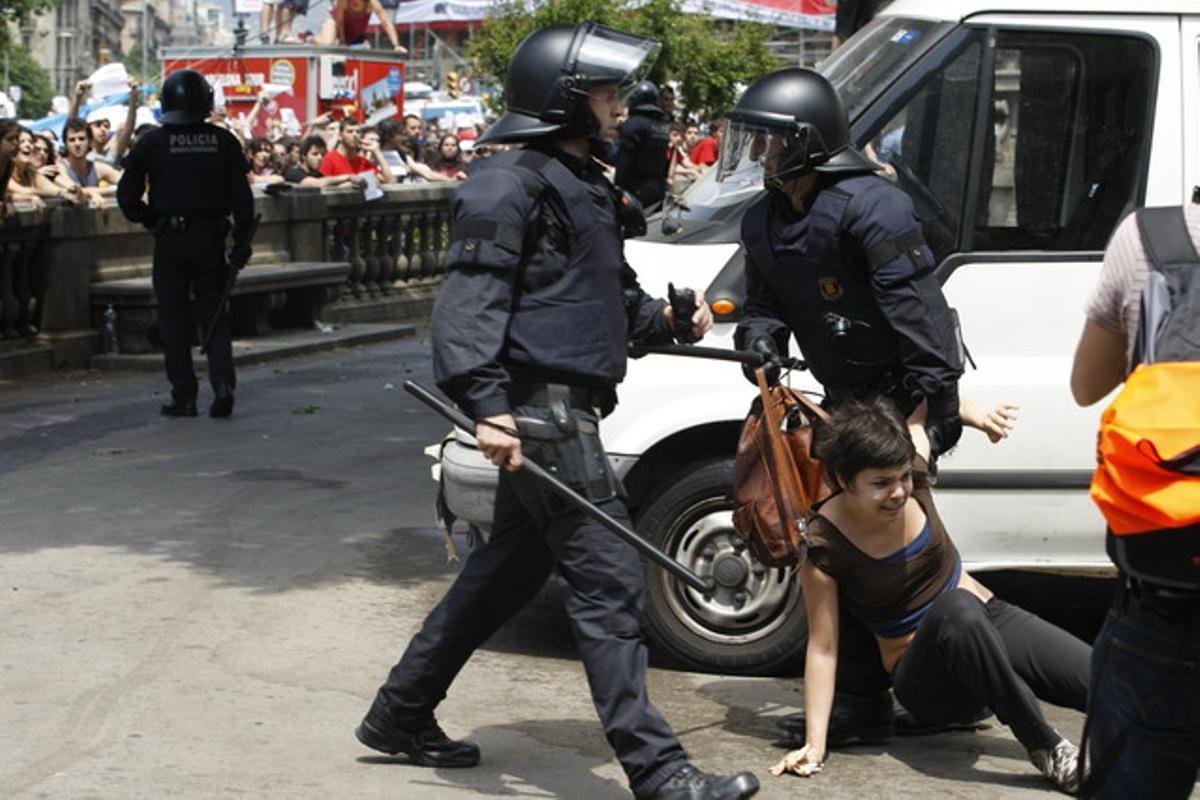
831	290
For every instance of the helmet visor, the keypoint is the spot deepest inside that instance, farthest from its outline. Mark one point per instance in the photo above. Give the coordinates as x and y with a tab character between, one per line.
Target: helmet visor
604	55
748	148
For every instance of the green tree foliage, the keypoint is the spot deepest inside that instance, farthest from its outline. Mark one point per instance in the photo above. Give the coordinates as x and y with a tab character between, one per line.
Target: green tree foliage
707	58
150	72
23	71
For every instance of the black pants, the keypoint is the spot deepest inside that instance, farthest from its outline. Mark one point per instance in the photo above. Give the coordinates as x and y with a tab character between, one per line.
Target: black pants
968	656
192	262
603	590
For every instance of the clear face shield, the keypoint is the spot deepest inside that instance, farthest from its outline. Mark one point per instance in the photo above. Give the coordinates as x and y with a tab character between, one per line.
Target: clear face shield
768	153
604	55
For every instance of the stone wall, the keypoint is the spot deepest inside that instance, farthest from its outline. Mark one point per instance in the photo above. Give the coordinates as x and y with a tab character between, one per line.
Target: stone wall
49	260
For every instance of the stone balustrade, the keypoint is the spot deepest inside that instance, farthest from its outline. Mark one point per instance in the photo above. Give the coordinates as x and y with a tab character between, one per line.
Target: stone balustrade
51	259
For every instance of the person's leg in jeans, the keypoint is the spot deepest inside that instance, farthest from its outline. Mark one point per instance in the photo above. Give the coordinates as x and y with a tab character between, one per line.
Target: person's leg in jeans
957	664
1144	722
1056	665
497	580
604	594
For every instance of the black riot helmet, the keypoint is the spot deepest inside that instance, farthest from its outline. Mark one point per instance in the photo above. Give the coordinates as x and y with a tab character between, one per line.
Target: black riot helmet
551	73
187	98
643	97
792	122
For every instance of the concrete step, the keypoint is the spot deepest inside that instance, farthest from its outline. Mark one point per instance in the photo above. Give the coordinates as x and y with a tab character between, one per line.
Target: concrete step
276	345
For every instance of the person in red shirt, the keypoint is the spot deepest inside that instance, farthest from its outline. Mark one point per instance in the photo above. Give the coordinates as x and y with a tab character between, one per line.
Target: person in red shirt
706	151
346	159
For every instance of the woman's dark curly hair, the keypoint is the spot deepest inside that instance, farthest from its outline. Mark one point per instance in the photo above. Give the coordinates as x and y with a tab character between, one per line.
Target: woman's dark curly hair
862	434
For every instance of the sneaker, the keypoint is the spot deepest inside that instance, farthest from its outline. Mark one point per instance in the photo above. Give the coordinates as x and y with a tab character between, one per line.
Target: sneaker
428	747
689	783
1060	764
853	720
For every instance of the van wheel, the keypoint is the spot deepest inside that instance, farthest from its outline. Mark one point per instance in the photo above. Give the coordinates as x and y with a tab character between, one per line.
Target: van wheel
753	624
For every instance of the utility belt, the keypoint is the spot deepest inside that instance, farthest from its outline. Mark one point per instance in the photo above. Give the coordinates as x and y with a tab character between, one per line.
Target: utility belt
177	223
528	393
559	431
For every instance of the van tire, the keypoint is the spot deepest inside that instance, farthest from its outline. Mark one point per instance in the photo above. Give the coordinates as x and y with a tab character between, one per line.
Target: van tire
754	624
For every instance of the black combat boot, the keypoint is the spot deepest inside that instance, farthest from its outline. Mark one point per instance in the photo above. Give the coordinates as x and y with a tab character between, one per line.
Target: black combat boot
853	720
179	407
222	404
689	783
428	747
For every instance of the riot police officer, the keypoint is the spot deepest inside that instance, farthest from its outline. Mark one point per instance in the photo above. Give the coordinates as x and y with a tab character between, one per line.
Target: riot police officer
197	178
835	256
642	159
530	333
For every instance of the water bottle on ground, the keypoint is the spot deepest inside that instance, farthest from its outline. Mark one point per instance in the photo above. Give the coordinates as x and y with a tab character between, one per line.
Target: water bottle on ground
112	342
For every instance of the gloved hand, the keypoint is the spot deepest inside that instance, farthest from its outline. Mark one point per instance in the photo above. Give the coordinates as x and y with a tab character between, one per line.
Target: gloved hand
944	425
772	360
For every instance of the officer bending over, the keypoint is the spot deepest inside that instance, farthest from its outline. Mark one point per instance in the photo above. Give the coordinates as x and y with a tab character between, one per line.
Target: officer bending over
835	257
197	178
530	333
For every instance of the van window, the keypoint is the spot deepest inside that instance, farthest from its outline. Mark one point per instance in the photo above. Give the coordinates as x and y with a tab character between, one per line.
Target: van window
1065	142
925	146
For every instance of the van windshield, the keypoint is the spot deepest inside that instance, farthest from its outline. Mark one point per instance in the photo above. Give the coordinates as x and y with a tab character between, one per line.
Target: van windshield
868	63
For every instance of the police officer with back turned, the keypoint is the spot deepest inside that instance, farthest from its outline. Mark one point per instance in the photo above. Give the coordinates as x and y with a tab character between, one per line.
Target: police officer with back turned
835	256
530	333
642	159
197	178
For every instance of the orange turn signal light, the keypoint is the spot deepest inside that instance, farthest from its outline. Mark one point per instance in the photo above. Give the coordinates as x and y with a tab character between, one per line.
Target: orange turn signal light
723	307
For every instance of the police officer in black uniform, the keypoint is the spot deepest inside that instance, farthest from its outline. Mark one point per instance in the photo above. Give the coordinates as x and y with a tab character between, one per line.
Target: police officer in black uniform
197	177
641	162
530	333
835	256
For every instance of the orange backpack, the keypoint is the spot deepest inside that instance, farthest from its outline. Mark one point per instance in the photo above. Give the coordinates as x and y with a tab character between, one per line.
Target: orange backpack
1147	482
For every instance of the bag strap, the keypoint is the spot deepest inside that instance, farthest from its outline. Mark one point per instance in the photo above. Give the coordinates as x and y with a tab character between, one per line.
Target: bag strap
1165	236
776	453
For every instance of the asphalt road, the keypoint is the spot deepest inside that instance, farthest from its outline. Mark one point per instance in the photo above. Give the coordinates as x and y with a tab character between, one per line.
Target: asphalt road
203	609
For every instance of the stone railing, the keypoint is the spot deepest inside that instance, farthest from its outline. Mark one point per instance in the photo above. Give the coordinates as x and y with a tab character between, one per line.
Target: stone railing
50	260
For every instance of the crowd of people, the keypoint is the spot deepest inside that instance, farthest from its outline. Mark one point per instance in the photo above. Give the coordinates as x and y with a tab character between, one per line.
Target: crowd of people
81	164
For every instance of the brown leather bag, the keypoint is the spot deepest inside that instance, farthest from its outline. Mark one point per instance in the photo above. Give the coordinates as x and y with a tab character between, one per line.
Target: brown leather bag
776	479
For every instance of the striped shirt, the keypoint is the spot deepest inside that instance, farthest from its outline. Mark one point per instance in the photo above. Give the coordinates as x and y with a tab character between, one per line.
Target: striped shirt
1116	301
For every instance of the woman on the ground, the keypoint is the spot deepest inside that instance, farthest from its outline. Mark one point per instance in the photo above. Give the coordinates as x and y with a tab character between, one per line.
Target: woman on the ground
952	647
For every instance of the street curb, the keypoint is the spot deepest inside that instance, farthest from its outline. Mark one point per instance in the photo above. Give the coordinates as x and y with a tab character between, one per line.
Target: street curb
271	348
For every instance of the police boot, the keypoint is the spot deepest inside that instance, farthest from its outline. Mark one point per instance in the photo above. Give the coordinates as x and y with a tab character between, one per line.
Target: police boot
427	747
689	783
854	720
222	404
179	407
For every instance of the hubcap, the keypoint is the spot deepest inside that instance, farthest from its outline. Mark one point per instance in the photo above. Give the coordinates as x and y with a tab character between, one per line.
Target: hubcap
749	600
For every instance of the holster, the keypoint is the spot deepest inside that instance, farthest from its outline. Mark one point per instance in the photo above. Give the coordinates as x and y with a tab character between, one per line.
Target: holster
566	442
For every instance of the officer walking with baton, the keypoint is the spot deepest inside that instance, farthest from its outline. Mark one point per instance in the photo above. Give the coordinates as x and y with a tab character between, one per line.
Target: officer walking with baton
197	178
530	333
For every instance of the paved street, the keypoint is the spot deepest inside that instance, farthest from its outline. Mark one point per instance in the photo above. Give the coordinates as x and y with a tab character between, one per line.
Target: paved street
203	609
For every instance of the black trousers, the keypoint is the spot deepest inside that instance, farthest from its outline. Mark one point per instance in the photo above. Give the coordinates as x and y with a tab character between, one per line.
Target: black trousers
968	656
186	263
604	593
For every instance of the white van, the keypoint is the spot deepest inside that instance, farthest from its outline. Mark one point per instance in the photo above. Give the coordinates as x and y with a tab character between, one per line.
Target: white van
1023	131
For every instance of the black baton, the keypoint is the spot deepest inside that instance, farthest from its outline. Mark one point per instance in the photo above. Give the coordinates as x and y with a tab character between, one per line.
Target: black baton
230	280
574	498
718	353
